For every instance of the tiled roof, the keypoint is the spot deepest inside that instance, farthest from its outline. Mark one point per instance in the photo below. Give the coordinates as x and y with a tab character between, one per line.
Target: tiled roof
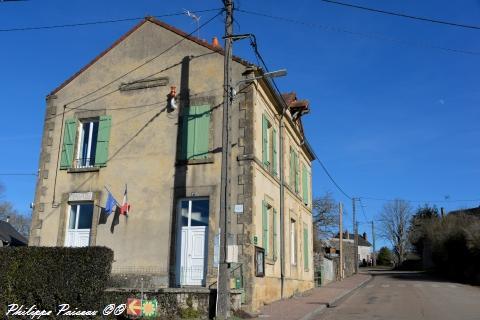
10	235
350	236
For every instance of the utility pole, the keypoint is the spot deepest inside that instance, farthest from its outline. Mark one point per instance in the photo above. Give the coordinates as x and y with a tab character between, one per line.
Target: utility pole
340	235
374	255
355	242
223	285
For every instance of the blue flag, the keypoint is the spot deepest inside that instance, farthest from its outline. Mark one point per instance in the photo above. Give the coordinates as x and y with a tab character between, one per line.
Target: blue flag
111	203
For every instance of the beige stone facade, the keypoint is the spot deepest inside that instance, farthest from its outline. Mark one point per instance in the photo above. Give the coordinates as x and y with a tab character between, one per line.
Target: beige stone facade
145	150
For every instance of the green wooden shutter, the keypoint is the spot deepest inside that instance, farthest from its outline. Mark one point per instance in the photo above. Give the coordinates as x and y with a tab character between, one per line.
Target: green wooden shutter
103	138
265	226
201	132
188	133
305	247
265	140
292	168
305	184
69	135
274	147
297	176
275	235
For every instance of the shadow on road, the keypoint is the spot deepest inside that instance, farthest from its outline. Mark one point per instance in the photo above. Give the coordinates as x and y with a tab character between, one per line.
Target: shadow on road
417	275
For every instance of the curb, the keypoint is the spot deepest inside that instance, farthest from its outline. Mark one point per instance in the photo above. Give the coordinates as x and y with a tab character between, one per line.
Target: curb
334	302
340	298
314	313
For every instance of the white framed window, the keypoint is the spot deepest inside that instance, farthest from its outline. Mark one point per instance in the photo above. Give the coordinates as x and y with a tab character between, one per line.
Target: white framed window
293	242
79	224
87	143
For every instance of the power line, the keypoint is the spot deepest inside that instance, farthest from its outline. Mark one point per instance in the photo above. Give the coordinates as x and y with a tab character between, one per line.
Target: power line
89	23
363	209
259	56
362	34
18	174
134	69
403	15
107	84
421	201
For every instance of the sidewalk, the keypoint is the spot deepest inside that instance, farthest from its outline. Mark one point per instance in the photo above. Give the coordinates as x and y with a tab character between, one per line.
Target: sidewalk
304	308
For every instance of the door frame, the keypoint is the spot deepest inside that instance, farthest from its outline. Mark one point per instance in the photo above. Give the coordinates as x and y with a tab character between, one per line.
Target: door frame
77	217
178	237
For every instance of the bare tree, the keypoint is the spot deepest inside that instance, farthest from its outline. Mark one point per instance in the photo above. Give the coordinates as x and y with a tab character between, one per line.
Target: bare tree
394	226
325	218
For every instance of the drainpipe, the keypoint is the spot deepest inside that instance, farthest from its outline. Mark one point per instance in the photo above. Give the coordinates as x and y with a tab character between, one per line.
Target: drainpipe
282	205
282	196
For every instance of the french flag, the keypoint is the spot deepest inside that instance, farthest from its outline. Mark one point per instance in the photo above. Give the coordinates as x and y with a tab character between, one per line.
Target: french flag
125	208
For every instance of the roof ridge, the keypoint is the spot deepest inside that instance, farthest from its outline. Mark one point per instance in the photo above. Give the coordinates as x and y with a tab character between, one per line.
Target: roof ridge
132	30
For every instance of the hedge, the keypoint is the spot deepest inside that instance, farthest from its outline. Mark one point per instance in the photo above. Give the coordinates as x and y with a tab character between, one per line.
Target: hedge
49	276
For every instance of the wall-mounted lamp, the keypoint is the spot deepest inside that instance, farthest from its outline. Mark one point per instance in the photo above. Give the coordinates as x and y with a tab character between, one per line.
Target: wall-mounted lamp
172	103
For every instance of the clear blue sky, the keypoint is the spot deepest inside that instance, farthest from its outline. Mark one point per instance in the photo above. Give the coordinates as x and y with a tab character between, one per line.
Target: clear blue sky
390	118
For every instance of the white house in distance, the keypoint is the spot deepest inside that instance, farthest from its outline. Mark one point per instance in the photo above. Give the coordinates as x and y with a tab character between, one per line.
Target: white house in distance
364	247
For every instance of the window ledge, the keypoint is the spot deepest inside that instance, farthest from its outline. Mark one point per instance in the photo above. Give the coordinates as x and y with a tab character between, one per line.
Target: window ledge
197	161
80	170
270	260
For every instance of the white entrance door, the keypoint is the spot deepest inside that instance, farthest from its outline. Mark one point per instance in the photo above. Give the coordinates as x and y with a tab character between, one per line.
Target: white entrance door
192	247
79	225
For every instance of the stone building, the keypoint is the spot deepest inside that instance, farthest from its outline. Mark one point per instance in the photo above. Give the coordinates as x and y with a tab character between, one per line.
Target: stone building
115	124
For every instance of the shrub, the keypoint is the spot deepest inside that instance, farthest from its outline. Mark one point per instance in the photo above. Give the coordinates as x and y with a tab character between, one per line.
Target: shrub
384	257
49	276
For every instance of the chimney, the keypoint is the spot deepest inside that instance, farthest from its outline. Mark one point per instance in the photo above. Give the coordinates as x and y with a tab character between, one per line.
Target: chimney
215	42
365	235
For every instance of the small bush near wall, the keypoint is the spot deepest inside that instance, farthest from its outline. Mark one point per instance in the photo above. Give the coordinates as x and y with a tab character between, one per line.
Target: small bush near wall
49	276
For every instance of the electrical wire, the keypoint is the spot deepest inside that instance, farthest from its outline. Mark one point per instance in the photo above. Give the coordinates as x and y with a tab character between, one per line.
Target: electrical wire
356	33
259	56
18	174
253	43
363	209
146	62
421	201
89	23
403	15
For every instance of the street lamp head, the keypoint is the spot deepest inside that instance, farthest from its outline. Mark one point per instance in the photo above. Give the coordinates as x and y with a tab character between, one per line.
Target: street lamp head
275	74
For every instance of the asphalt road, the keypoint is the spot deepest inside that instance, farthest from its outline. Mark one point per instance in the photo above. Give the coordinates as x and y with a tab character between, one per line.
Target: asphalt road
408	296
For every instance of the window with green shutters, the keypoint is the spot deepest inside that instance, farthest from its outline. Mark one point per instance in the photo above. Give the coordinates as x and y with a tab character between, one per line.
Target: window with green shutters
269	230
92	137
195	132
269	146
305	248
305	184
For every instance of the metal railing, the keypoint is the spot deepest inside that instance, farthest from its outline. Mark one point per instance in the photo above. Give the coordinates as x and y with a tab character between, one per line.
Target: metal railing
84	163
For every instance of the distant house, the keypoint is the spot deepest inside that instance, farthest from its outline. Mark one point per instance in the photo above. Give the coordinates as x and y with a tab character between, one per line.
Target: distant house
9	237
364	247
